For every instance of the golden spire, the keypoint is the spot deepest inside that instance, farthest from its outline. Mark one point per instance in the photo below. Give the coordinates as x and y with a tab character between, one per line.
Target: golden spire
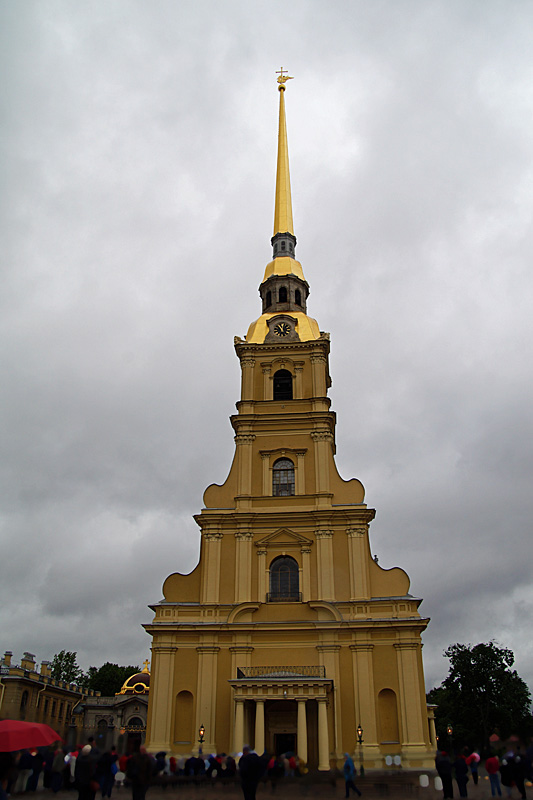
283	203
284	290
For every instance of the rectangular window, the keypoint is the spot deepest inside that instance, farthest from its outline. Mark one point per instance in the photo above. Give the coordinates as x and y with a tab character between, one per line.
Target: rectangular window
46	704
60	710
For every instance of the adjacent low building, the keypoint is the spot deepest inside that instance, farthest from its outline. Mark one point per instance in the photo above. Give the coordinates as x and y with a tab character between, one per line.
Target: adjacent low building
28	692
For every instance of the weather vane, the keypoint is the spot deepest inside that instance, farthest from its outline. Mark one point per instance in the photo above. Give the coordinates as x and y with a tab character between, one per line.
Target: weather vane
282	80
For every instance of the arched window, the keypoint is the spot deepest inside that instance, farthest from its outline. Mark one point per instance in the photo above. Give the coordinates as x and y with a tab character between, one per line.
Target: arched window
269	299
282	385
283	478
284	580
298	297
282	296
24	700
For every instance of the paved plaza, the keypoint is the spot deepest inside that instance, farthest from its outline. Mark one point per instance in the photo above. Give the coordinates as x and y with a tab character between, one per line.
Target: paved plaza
376	785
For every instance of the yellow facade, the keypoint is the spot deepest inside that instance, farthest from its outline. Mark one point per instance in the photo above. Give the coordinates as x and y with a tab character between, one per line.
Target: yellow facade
31	694
287	635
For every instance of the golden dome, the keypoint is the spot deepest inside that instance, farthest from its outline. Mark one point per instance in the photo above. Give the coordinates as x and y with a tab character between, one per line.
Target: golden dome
139	683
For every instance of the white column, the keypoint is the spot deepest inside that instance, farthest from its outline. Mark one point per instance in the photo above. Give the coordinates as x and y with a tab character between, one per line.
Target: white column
432	731
323	739
302	730
259	745
238	739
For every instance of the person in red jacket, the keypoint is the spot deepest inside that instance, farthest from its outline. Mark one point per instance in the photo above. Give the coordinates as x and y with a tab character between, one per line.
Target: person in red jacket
492	765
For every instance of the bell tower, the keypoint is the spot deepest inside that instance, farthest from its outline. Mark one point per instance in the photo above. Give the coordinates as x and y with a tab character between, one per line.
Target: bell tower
287	634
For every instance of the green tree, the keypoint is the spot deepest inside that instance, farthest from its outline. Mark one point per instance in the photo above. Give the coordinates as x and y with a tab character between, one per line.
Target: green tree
481	694
65	668
109	678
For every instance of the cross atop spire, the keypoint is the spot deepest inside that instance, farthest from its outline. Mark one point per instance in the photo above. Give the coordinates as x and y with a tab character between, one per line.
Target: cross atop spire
282	80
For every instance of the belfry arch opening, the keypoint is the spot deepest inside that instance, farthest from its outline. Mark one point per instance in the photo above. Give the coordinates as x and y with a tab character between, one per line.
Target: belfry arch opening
282	385
283	478
284	580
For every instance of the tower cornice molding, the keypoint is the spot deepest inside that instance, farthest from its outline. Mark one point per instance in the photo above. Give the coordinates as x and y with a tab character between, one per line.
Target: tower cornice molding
243	347
244	438
322	436
298	451
357	531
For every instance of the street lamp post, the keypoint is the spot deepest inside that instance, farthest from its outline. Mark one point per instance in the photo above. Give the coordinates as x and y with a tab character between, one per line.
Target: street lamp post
201	731
360	741
449	731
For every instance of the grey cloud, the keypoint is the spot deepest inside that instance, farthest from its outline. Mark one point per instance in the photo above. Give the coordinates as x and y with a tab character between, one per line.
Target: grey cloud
140	158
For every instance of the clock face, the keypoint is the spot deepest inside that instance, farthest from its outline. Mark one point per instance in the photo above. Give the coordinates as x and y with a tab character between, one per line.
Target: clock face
282	329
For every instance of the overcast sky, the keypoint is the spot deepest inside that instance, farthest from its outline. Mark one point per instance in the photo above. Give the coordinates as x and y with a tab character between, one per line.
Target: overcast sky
139	146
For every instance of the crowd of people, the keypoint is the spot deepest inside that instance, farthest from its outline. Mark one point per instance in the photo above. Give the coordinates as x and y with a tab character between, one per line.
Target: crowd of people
91	772
512	770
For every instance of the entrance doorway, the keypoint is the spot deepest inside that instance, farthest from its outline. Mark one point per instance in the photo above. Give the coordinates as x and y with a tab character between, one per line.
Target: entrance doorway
284	743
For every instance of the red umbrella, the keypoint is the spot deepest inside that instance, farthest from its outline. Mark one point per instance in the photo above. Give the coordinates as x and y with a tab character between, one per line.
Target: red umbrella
18	735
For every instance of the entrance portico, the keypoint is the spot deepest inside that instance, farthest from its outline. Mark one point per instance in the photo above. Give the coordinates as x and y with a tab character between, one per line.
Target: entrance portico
277	706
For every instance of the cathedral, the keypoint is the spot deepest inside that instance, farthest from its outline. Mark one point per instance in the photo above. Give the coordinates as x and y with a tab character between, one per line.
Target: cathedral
287	635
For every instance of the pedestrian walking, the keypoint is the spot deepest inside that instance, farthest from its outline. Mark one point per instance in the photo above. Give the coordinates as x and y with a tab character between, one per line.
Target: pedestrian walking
506	774
139	772
461	774
443	766
473	760
84	773
492	765
251	768
349	775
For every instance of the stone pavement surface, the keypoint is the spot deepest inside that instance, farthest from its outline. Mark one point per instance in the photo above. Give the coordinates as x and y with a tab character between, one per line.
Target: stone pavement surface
376	785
